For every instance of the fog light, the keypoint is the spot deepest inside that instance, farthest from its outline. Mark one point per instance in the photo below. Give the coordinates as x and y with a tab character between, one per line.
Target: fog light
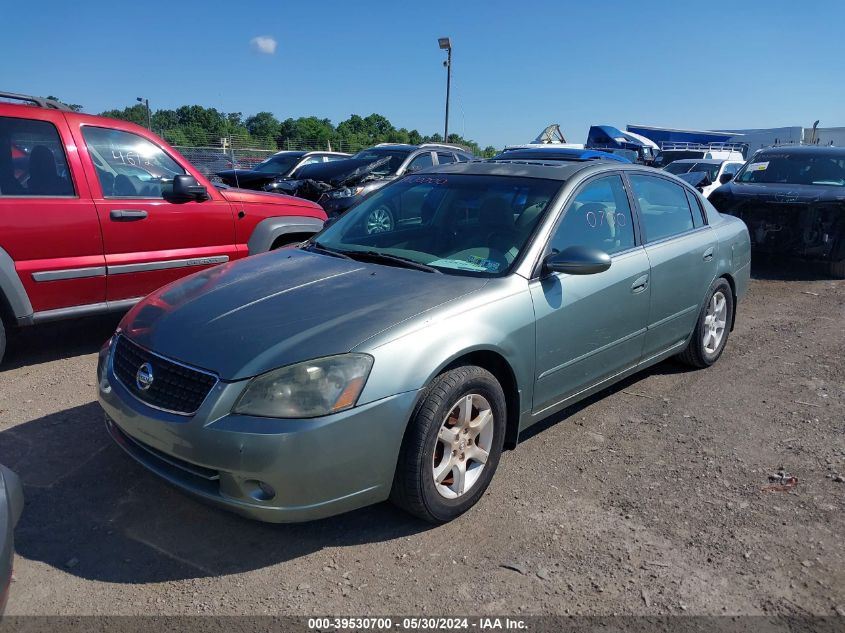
259	490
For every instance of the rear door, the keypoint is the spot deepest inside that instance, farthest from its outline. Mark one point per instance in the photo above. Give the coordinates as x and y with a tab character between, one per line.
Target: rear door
148	240
49	222
681	249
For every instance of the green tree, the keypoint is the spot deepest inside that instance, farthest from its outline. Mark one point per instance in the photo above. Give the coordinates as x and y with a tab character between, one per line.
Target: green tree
73	106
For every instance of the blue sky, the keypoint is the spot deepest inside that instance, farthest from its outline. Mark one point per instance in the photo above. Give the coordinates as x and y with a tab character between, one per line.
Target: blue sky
517	65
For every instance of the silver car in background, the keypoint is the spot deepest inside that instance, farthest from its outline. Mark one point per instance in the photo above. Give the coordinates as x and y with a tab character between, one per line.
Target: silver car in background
397	364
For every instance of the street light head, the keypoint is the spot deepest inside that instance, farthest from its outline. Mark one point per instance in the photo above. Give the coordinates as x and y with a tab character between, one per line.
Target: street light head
445	43
141	99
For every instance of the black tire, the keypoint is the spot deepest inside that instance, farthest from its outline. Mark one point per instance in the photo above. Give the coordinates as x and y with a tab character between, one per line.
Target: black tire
837	269
414	489
696	354
2	340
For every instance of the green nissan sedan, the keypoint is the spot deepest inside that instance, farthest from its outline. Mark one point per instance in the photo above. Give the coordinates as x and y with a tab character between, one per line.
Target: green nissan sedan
375	362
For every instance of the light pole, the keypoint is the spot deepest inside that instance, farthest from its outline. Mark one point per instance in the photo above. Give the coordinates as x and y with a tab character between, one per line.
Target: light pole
446	44
146	102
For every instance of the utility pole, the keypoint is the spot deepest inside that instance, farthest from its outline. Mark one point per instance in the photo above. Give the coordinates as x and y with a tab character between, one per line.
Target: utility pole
446	44
149	116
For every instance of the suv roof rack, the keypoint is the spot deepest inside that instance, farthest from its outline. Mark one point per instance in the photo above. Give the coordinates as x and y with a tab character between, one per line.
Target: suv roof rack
446	146
735	147
41	102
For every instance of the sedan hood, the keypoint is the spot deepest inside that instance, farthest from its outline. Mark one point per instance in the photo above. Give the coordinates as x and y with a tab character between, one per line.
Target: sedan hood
283	307
336	172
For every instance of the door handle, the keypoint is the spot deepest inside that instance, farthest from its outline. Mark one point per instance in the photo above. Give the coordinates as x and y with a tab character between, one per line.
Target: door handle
127	215
708	254
640	284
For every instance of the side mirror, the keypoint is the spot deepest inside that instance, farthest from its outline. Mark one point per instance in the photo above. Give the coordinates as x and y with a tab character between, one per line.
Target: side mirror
186	188
726	178
578	260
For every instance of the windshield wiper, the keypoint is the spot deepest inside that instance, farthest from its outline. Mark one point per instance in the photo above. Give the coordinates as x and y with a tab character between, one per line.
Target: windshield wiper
319	248
392	259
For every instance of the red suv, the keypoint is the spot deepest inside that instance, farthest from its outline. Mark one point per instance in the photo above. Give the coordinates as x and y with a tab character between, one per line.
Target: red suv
97	213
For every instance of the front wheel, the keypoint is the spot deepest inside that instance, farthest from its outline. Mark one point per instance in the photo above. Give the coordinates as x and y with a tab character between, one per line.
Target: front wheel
452	446
713	326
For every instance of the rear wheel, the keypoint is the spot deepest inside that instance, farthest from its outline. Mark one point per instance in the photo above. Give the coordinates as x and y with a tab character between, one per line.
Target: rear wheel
713	326
2	341
452	446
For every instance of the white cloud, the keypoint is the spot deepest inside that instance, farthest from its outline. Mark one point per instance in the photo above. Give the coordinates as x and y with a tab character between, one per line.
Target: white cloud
264	44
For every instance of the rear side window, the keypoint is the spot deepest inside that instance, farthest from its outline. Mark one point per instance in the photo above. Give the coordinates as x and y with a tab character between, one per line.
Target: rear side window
663	206
128	165
32	159
443	158
599	217
698	218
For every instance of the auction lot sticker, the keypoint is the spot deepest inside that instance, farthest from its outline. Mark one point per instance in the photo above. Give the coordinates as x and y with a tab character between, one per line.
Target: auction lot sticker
758	166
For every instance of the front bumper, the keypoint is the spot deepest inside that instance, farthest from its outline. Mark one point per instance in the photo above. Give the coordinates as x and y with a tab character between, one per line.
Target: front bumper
315	468
337	206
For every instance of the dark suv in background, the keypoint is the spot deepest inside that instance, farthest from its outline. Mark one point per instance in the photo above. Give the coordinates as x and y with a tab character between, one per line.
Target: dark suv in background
792	198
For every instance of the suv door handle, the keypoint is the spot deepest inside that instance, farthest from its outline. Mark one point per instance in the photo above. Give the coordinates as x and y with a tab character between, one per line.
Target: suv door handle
127	215
708	254
640	284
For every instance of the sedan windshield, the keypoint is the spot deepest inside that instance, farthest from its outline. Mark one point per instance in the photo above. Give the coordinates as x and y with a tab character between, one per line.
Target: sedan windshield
457	224
795	169
711	169
277	164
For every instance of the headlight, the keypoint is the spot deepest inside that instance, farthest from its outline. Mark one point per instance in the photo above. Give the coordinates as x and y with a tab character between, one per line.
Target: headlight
346	192
307	390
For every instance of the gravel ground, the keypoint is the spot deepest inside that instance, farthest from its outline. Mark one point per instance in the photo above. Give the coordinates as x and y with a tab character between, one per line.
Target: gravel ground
647	499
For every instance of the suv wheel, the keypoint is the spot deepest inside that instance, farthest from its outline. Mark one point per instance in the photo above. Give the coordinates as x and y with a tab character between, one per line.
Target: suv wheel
452	446
379	220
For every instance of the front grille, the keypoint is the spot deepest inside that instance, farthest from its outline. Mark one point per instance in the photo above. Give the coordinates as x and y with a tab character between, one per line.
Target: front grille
175	387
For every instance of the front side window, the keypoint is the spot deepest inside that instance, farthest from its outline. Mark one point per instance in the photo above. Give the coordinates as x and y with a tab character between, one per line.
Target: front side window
664	208
598	217
32	159
459	224
128	165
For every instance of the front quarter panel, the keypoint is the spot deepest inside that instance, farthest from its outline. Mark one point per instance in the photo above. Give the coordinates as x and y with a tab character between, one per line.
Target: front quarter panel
498	319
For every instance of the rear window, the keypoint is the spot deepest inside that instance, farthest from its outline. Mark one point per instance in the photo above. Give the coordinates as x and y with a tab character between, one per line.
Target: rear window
32	159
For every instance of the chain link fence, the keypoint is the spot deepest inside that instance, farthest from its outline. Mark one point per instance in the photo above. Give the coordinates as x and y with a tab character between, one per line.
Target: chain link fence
214	154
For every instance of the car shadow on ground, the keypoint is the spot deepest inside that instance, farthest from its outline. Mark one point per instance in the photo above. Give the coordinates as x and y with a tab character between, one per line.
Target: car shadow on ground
93	512
778	268
56	341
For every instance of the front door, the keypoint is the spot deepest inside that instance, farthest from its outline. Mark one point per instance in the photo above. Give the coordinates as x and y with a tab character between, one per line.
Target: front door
150	241
591	327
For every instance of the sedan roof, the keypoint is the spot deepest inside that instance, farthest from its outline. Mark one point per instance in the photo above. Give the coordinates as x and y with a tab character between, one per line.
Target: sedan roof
557	153
551	170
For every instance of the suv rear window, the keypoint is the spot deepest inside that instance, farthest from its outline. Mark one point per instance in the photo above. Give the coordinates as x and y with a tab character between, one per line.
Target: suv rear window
32	159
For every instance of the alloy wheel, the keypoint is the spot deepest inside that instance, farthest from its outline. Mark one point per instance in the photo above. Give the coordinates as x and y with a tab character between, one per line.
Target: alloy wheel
715	320
379	221
463	445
